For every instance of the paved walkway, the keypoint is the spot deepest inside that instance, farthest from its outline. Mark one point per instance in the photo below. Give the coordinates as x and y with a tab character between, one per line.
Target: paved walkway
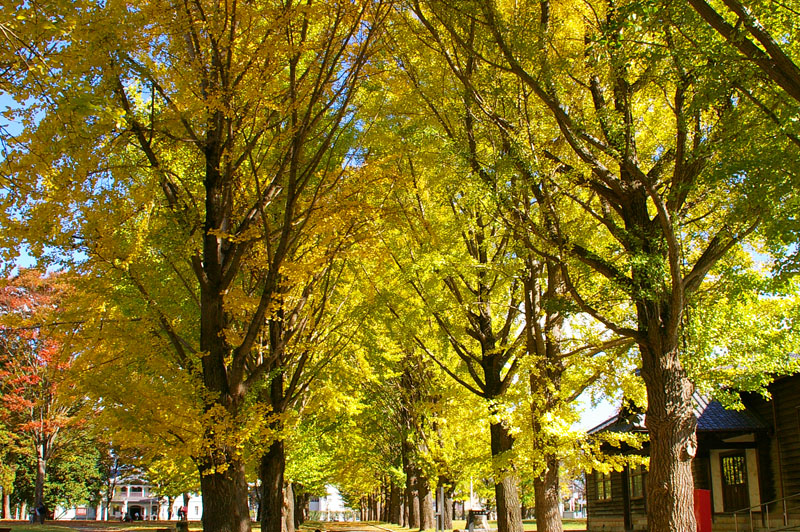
341	526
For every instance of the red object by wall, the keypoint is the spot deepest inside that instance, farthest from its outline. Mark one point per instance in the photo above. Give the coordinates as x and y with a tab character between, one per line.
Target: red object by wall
702	510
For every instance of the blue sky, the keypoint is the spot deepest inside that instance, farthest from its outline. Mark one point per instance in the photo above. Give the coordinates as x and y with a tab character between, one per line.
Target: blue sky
593	416
7	127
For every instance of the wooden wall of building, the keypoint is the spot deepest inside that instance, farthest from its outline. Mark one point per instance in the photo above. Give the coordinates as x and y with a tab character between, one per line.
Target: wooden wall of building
608	515
784	411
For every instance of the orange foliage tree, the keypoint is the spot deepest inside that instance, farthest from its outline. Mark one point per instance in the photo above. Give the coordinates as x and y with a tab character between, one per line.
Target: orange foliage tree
34	364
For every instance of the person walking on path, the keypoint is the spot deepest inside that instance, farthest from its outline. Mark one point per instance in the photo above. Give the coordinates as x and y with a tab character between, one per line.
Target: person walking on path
41	513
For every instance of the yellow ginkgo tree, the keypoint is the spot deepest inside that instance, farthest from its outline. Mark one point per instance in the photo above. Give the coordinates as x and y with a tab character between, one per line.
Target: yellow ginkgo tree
190	158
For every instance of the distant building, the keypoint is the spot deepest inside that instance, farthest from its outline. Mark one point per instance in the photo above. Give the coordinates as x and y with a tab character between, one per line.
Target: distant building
330	507
574	507
140	502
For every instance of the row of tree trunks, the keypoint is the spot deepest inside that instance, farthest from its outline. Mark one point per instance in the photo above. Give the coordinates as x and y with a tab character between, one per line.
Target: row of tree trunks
418	500
395	509
372	507
397	504
410	426
388	488
377	507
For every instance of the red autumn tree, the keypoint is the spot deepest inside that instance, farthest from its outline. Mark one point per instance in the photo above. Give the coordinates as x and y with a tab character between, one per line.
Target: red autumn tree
34	359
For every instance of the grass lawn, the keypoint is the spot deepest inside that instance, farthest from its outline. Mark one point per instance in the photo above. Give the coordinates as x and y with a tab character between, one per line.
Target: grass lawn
459	524
27	527
530	525
109	526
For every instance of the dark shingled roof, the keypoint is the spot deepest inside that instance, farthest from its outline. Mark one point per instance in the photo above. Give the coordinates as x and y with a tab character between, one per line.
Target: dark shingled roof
711	417
622	422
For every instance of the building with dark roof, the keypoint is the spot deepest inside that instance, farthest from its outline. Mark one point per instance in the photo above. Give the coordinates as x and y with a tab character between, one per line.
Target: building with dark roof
746	468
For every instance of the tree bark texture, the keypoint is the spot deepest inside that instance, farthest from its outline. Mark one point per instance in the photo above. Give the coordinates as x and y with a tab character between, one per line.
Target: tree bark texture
288	507
273	467
222	475
543	341
410	493
225	498
395	506
301	500
548	498
509	515
383	513
6	505
41	474
427	520
412	499
447	504
386	516
671	423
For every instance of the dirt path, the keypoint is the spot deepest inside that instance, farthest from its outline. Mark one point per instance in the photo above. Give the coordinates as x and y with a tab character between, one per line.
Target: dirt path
338	526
